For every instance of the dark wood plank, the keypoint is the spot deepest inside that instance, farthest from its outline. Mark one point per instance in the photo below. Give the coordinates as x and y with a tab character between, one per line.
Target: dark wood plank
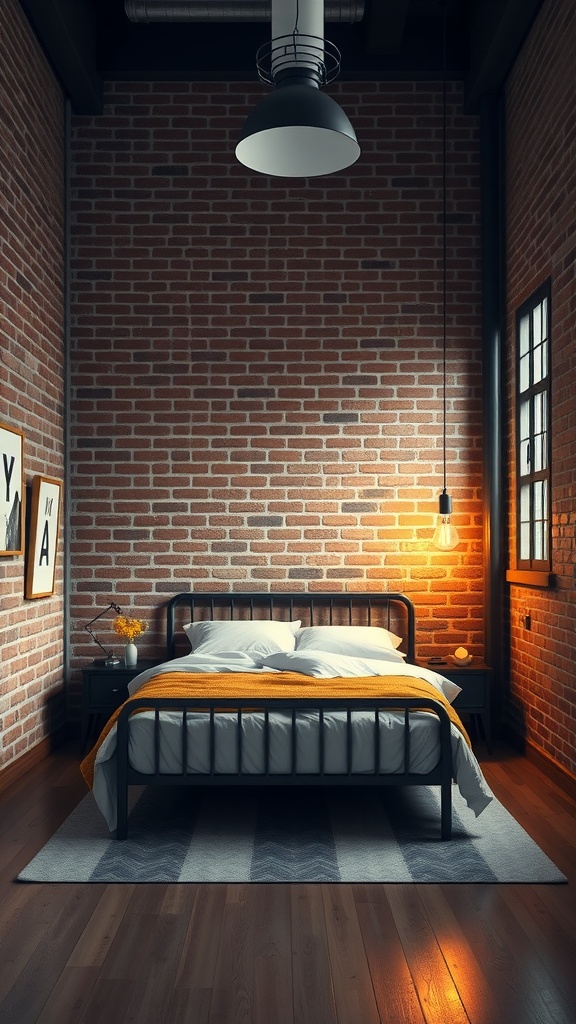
146	951
194	979
312	979
107	1002
94	944
394	988
232	996
272	953
351	978
69	998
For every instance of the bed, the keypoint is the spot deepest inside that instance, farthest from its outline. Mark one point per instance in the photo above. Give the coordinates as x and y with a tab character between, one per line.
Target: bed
286	689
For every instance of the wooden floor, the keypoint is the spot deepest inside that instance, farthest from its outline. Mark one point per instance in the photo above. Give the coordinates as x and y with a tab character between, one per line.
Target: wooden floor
278	954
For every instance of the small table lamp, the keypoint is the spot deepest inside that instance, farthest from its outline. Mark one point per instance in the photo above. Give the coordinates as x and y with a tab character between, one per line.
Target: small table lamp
111	658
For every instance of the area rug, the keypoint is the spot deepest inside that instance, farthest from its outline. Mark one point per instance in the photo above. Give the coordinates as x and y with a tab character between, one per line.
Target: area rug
292	835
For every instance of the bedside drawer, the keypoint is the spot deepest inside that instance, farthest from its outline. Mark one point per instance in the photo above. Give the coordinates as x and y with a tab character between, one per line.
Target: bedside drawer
106	691
473	696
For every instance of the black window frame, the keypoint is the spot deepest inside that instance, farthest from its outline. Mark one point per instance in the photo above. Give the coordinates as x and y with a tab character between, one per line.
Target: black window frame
533	434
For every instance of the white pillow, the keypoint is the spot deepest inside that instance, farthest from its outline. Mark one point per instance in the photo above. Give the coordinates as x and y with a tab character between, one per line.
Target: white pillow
323	665
255	636
355	650
341	638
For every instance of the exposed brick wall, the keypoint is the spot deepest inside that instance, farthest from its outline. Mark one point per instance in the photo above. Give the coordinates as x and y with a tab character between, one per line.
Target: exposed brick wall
541	161
257	362
32	361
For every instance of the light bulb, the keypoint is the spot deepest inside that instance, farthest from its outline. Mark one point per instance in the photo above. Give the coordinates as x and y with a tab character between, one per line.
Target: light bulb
445	535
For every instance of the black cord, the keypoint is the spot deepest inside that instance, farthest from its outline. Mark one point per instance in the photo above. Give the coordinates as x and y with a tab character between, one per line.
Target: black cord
444	244
296	30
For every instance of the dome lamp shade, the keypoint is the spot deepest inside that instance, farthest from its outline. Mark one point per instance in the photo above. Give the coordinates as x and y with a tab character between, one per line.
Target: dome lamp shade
297	131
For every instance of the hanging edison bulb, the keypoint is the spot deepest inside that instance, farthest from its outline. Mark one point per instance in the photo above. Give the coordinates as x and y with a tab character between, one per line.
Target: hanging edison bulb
445	535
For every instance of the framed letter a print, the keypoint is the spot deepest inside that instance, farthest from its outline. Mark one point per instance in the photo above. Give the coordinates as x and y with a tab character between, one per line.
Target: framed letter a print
43	539
11	490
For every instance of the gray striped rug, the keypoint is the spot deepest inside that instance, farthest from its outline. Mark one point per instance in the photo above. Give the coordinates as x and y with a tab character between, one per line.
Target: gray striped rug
287	835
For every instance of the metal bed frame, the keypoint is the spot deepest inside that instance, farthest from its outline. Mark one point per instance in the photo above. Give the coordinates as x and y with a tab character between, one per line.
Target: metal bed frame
392	610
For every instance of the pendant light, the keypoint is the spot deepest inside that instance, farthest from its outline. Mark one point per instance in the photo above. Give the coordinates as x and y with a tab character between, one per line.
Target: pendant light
445	535
297	130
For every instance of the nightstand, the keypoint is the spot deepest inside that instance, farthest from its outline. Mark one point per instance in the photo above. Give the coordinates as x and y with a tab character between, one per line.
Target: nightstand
105	688
474	700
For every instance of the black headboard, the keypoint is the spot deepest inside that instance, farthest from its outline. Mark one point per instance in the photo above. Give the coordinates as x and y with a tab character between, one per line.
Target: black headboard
393	611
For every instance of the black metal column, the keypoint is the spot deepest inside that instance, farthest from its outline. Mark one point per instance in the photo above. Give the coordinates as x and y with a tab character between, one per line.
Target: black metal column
493	400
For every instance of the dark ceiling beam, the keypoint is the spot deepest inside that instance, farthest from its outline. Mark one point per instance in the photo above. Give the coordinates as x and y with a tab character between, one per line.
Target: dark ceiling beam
66	32
497	32
385	22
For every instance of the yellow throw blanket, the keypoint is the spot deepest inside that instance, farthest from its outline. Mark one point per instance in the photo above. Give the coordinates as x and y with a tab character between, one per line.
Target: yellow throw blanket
273	685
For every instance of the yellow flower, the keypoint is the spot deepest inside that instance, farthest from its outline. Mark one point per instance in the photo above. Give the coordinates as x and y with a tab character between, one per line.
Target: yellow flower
128	628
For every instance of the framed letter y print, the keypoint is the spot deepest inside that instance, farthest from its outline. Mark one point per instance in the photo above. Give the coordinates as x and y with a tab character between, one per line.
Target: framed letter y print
43	539
12	491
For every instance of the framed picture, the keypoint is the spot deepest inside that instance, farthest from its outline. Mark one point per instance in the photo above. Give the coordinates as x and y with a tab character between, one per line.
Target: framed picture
11	490
43	538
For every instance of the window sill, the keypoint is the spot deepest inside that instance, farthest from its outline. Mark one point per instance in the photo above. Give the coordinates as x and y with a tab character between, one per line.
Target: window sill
530	578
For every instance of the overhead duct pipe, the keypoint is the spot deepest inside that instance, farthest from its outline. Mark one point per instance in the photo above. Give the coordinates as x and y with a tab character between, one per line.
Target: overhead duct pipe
345	11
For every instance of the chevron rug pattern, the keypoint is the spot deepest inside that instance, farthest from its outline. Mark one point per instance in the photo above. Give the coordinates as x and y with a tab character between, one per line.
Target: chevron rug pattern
286	835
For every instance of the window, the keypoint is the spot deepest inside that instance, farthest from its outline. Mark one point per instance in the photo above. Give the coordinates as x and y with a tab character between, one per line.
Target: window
533	436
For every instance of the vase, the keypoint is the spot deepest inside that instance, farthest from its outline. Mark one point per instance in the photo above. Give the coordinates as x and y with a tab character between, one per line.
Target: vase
130	655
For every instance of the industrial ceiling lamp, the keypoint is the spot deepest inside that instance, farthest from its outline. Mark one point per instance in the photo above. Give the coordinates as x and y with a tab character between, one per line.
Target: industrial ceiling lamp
445	535
297	130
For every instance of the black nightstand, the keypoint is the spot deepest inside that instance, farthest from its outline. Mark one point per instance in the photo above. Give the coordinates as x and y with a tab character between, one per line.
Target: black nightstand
474	700
105	688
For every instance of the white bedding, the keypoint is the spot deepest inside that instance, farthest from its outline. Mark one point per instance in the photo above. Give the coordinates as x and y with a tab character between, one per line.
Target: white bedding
424	730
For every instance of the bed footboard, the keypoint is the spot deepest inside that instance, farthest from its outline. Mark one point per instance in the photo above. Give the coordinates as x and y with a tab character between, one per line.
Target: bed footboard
293	772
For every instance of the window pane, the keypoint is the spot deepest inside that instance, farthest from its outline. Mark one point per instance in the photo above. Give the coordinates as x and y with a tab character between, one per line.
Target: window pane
544	308
524	335
525	541
538	540
538	413
537	370
524	373
545	521
525	504
537	325
537	454
524	420
538	507
524	458
543	451
545	340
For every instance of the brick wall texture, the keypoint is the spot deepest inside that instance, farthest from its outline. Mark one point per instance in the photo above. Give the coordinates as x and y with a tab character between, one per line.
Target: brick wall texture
256	386
541	191
32	365
257	363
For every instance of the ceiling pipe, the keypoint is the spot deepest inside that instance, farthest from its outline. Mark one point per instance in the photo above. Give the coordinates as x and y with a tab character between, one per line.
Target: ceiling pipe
344	11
